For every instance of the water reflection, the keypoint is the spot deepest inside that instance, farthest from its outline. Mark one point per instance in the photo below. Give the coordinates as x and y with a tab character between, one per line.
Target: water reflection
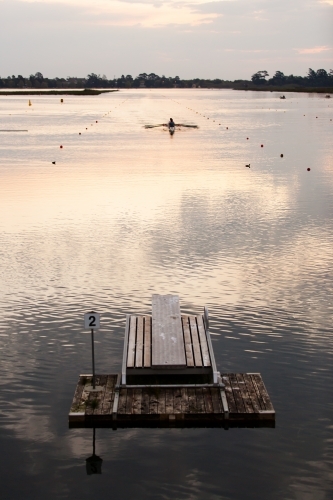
127	212
94	462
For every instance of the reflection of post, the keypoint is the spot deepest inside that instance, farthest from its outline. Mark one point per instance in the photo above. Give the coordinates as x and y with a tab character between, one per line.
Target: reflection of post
93	357
94	463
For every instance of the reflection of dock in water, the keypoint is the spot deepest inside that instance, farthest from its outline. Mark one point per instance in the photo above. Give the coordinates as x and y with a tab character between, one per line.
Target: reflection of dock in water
169	378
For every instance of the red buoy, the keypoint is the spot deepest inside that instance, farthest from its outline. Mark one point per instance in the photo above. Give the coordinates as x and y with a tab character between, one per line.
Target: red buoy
60	147
262	145
308	169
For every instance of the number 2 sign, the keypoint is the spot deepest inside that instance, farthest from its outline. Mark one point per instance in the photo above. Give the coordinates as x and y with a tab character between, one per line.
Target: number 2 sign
91	321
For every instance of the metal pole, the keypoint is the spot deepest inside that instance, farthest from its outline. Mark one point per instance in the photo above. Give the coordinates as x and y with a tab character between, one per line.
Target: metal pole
93	356
94	441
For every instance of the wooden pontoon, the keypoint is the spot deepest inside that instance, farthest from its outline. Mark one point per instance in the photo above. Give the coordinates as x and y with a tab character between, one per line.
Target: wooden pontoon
169	378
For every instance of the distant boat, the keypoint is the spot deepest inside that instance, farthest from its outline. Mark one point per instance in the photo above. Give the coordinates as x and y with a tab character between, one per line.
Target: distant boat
282	96
328	96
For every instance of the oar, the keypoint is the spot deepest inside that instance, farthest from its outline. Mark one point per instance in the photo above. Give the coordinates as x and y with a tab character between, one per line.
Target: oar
153	126
184	125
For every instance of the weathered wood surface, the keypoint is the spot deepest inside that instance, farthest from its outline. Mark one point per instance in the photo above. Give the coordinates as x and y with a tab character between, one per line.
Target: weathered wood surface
167	333
193	338
247	398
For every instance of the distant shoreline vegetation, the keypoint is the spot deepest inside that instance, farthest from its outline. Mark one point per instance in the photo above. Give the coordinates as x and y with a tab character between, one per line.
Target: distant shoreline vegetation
314	81
54	92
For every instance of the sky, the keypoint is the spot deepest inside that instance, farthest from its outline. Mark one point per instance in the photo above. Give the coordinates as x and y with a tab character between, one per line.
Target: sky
228	39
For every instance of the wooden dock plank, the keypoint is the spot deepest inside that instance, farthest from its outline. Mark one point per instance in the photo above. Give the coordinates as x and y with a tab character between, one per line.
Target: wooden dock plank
145	402
122	401
192	400
185	401
200	400
203	341
136	403
161	401
230	395
167	333
263	392
129	401
76	403
177	400
169	401
147	342
108	395
139	342
195	342
153	401
208	400
187	341
244	393
252	392
237	394
131	342
216	399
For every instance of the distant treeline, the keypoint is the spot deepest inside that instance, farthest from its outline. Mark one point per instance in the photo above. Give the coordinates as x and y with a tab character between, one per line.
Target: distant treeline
259	81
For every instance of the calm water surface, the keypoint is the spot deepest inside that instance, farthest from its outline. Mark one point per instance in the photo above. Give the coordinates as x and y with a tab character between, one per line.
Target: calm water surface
126	212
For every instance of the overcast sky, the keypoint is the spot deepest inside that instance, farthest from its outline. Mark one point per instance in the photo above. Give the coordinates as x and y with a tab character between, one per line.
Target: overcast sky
226	39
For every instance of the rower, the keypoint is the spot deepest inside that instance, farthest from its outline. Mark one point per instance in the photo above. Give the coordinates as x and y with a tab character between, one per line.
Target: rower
171	123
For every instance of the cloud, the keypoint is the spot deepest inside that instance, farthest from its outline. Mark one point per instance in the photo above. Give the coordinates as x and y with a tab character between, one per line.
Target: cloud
314	50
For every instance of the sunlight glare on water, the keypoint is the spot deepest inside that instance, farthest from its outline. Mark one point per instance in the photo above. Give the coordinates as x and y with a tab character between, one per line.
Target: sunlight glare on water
126	212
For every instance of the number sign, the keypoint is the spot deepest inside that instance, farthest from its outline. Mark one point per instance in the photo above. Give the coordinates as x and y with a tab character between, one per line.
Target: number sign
91	321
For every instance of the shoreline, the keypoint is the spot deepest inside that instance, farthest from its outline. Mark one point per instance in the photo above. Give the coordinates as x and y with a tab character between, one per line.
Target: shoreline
56	92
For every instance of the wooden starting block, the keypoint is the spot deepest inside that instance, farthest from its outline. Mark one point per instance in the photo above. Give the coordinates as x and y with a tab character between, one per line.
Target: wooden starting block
169	377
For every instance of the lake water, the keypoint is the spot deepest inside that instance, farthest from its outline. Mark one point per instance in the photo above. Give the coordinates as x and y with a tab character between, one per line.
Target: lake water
126	212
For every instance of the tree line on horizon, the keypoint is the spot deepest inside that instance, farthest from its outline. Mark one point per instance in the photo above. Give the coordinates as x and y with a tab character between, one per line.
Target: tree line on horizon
319	78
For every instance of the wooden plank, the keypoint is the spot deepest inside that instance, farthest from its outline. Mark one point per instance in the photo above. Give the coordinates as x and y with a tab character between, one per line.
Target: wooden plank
257	390
263	392
216	399
153	401
129	401
200	400
187	341
230	395
125	351
122	401
252	393
136	404
108	395
147	342
139	343
145	402
185	401
167	333
161	402
192	400
169	401
131	343
177	400
101	382
203	341
237	394
195	341
75	407
244	393
208	400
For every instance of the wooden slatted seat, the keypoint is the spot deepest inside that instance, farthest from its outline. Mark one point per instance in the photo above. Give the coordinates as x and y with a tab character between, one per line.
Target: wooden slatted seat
167	344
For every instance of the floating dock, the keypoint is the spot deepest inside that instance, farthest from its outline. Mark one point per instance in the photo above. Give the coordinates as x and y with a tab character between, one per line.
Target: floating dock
169	379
